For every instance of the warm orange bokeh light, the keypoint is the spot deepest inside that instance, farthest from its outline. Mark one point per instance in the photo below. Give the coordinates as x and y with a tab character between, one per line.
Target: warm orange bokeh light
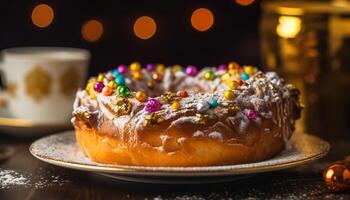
145	27
42	15
92	30
202	19
244	2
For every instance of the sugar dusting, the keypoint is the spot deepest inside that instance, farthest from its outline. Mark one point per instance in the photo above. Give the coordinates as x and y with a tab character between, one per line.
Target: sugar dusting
42	178
10	178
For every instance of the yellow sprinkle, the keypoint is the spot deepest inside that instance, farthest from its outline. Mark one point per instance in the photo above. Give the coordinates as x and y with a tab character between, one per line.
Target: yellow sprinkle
250	70
138	75
232	65
141	96
135	67
112	84
232	85
175	105
176	68
100	77
225	77
209	75
229	95
160	68
90	89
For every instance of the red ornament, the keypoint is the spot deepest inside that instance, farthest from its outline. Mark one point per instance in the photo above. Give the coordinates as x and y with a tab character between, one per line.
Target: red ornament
182	93
337	176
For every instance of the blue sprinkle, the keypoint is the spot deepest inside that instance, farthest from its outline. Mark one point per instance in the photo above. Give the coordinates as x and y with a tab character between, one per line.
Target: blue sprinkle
245	76
213	103
120	80
115	73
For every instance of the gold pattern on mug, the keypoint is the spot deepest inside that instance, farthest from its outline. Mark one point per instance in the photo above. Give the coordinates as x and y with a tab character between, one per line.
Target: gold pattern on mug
12	89
69	81
38	83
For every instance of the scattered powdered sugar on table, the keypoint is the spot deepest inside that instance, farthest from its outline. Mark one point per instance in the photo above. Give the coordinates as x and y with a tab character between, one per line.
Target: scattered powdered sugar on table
41	179
10	178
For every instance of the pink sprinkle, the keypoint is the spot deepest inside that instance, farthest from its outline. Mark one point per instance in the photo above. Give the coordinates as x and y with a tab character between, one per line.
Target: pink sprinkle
191	70
251	115
122	69
152	106
222	67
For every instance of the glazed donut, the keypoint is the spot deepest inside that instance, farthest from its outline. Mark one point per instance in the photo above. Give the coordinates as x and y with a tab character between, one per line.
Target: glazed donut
158	116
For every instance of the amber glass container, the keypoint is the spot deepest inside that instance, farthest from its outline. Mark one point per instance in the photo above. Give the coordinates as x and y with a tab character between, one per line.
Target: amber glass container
308	43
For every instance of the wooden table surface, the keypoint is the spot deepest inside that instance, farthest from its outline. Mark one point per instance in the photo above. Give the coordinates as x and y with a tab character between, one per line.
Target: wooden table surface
45	181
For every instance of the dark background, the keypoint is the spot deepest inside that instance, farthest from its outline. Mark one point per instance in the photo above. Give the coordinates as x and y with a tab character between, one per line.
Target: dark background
234	35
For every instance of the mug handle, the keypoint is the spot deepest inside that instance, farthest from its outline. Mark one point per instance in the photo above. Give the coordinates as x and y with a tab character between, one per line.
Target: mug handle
3	93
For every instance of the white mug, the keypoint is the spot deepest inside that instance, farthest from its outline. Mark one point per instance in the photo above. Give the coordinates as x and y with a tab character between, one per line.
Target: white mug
41	82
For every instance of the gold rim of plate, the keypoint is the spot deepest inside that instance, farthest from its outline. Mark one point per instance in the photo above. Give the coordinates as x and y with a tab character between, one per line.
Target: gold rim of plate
312	148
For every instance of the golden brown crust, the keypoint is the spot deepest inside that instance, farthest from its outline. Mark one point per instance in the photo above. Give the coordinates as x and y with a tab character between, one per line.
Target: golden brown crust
178	147
192	152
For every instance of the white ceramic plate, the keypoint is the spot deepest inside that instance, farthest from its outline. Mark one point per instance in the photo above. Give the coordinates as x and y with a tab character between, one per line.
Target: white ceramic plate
25	128
62	150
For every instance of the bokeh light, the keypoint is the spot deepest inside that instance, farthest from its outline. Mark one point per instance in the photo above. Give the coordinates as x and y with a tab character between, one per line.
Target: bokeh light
288	26
42	15
145	27
244	2
202	19
92	30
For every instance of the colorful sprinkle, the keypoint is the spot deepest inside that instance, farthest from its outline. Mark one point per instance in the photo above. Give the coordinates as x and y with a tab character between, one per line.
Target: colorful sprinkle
152	106
107	91
160	68
98	86
245	76
175	105
120	80
138	75
122	69
232	85
135	67
176	68
209	75
112	84
100	77
182	93
229	95
90	88
225	77
124	91
251	115
150	67
233	66
222	67
191	70
141	96
213	103
250	70
115	73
